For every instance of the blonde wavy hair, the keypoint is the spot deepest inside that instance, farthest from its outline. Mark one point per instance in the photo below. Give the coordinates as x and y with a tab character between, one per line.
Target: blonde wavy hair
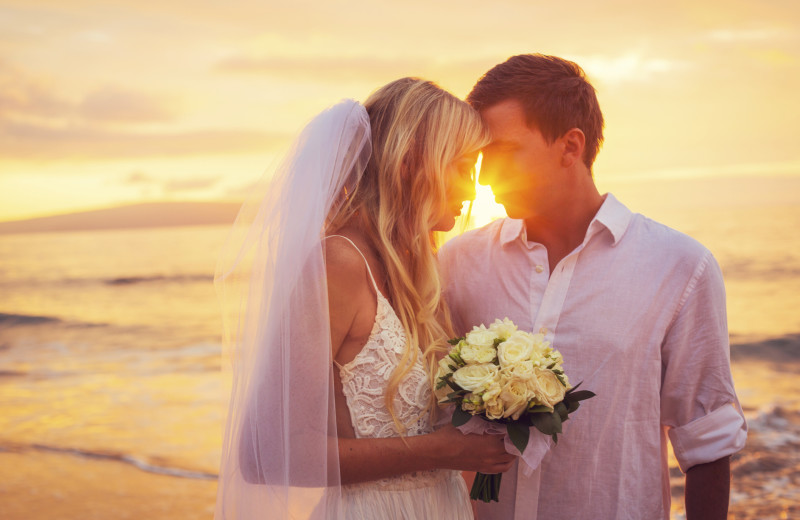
418	131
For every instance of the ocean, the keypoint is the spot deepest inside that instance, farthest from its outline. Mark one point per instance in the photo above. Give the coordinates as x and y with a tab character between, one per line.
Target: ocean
110	357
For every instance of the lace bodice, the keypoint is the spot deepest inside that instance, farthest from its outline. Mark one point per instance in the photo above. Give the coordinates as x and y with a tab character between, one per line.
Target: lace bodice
366	377
435	493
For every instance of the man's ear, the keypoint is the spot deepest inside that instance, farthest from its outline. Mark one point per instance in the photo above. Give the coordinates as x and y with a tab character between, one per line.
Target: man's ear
574	143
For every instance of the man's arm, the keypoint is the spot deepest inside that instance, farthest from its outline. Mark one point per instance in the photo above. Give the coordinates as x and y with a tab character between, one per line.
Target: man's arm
708	490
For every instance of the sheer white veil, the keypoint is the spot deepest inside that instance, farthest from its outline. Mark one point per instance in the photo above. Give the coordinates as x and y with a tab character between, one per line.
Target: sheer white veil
279	454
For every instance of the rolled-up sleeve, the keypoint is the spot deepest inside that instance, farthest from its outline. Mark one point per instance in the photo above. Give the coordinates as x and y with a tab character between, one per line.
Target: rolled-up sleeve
699	406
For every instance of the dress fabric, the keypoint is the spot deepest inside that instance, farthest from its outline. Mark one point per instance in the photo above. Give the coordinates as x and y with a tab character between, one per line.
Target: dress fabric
439	494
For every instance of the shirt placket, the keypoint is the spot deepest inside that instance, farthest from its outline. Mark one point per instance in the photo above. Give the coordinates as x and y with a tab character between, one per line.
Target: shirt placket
546	310
552	301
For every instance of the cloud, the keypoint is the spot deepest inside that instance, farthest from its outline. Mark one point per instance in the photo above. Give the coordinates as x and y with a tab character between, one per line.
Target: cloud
183	185
36	141
169	186
112	103
748	35
23	96
137	177
368	70
321	68
628	67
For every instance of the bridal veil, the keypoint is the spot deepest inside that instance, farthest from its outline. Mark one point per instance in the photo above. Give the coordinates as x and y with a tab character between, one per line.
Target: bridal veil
279	454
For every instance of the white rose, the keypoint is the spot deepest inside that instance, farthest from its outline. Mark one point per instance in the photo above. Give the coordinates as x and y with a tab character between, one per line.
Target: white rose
478	353
494	408
475	378
481	336
517	348
523	369
549	391
515	397
504	329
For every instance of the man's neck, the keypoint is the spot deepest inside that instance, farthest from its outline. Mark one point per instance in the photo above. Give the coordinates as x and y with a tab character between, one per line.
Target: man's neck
564	229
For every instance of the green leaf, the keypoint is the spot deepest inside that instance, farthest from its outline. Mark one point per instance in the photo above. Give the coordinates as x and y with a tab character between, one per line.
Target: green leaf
441	383
547	423
543	422
561	410
572	406
557	421
579	396
460	417
455	341
539	408
574	388
519	434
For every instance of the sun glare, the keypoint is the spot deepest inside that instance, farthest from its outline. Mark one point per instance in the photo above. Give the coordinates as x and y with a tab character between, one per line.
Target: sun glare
484	208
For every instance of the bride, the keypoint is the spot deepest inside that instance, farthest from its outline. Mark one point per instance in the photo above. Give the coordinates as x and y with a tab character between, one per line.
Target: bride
332	411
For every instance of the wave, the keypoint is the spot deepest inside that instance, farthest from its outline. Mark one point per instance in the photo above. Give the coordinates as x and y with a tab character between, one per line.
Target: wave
117	457
129	280
32	283
785	349
22	320
11	320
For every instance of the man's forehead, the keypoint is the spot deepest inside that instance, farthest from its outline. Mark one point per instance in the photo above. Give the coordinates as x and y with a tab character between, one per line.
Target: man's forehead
507	122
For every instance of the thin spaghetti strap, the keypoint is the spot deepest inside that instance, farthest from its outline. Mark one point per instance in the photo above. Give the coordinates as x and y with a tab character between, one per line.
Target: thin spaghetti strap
375	285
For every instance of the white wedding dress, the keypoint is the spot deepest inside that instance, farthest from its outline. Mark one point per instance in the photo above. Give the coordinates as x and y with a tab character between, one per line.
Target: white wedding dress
436	494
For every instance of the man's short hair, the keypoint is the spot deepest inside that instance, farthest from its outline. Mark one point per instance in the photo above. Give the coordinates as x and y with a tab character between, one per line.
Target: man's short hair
554	93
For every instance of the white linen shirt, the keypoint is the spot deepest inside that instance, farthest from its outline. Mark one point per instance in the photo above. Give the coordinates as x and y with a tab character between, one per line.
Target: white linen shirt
638	311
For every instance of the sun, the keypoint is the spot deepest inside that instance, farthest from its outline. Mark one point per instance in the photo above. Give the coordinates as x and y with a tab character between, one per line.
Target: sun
484	208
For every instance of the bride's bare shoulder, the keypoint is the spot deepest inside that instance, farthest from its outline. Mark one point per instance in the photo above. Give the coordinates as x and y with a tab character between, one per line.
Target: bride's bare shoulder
346	268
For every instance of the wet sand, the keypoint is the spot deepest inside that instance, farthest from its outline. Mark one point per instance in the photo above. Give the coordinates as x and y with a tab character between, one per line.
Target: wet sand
42	485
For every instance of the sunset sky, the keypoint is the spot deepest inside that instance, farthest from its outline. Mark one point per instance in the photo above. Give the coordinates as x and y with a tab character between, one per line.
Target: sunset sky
111	102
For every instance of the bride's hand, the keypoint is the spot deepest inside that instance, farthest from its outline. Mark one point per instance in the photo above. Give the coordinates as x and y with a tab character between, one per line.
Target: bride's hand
472	452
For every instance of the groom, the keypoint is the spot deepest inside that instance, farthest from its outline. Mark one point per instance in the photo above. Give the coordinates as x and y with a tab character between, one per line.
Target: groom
636	308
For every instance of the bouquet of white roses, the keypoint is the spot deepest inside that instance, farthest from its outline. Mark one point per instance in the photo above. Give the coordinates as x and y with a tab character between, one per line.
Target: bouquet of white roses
510	377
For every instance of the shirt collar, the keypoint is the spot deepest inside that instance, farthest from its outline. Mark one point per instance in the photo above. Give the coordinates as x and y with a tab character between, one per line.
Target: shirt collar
612	215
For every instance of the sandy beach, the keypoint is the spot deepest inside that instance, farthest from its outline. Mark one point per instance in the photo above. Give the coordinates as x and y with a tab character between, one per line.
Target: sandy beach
43	484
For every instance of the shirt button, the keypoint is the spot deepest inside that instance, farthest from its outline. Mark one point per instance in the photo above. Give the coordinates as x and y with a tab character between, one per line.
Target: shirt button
543	330
539	268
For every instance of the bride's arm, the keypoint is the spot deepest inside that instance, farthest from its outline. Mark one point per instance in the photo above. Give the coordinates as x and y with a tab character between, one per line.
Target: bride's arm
371	459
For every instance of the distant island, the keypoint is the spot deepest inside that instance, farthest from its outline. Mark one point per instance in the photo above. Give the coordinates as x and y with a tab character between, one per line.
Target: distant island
147	215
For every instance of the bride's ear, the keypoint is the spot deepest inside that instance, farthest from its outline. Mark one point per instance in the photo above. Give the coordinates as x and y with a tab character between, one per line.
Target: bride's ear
574	142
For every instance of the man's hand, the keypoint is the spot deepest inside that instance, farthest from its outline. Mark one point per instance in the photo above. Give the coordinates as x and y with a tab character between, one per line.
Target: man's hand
708	488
